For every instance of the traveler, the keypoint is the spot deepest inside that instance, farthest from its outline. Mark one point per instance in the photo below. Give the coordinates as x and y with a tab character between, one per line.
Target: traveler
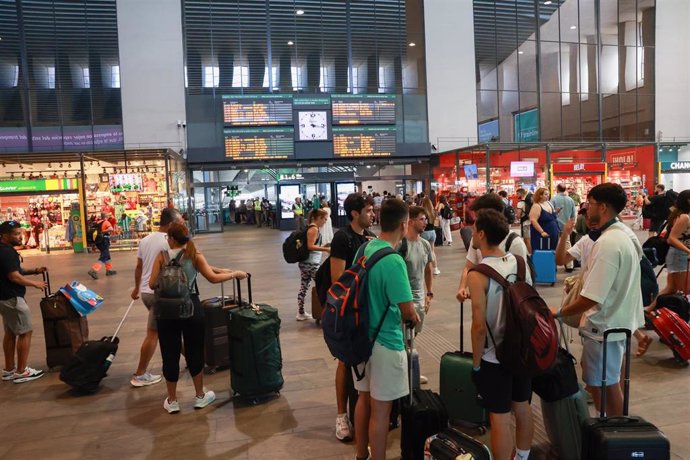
316	202
258	212
416	252
243	212
346	242
298	211
474	255
522	210
657	209
249	212
445	212
378	201
610	293
171	332
565	206
500	391
327	229
430	231
232	208
149	249
544	220
102	241
504	197
307	268
389	297
678	242
16	316
574	196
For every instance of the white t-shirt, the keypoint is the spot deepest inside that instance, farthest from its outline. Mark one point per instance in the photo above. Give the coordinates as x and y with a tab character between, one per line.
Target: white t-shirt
495	316
582	250
149	248
517	247
613	281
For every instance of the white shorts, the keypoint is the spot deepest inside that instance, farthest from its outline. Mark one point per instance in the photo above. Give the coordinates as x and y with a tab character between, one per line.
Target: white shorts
385	375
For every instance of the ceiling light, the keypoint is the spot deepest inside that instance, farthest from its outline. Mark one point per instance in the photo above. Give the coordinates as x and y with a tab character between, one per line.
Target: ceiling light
290	43
521	52
299	12
412	44
547	2
573	27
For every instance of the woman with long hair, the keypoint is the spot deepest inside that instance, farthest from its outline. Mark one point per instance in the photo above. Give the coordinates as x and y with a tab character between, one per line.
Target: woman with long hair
327	229
445	222
429	233
307	268
679	243
544	222
172	331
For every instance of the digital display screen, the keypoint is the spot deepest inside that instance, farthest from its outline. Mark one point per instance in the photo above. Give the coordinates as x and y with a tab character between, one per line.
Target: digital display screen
259	143
521	169
471	172
362	142
363	109
257	110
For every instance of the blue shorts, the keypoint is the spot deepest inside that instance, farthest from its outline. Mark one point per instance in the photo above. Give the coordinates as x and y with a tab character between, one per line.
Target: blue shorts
676	260
430	236
592	361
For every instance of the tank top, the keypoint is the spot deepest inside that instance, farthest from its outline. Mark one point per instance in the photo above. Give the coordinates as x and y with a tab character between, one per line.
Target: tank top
315	256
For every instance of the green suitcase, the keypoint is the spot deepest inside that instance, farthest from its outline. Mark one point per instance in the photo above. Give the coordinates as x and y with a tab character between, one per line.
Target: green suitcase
457	389
255	358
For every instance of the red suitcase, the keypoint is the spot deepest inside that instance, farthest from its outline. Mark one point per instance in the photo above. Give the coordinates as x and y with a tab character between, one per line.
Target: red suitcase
673	331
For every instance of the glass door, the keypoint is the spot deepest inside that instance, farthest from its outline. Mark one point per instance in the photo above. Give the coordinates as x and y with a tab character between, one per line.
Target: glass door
214	209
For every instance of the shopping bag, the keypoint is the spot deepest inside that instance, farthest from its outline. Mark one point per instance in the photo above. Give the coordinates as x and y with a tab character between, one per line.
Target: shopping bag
82	298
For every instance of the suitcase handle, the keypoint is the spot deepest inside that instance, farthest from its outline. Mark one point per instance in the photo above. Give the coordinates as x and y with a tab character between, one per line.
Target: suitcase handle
462	327
541	242
46	278
238	283
626	387
409	330
114	337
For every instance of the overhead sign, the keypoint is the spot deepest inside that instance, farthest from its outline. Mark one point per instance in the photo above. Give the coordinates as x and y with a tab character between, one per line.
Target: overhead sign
579	168
527	126
675	166
40	185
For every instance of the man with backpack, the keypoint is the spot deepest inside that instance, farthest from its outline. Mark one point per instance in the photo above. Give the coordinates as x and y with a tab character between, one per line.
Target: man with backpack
610	294
103	228
500	390
511	243
390	302
657	208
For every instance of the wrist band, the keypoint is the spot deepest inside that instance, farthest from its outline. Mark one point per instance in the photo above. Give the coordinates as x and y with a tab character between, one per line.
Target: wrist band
476	369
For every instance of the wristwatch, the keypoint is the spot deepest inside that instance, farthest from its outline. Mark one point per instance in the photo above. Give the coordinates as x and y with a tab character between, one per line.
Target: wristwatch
430	294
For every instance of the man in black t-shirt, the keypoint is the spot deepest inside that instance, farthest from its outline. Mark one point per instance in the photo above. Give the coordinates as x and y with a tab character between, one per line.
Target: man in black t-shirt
15	312
658	208
346	242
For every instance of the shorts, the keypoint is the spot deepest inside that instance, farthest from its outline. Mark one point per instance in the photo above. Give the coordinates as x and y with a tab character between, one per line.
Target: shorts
149	300
16	315
430	236
497	388
524	228
385	374
420	311
676	260
592	361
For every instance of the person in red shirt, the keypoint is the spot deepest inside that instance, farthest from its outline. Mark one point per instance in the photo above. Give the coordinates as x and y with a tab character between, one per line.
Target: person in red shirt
102	240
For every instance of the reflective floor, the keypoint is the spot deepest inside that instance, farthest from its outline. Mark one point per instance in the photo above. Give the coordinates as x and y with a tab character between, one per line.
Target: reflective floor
45	418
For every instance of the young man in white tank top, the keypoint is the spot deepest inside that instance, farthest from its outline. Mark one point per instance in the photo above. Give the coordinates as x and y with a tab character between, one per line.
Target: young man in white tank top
500	391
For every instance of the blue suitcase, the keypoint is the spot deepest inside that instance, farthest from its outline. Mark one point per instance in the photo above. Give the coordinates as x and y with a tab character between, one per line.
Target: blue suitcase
544	262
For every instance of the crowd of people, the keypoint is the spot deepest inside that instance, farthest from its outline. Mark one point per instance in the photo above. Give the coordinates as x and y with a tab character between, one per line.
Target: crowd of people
400	290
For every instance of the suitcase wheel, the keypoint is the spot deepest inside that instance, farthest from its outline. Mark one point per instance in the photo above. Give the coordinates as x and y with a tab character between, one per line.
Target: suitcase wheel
552	284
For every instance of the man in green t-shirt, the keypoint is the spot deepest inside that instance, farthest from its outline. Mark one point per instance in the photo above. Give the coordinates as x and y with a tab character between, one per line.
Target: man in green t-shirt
389	294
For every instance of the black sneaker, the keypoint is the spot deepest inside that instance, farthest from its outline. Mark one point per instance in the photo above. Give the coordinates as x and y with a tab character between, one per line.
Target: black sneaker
110	272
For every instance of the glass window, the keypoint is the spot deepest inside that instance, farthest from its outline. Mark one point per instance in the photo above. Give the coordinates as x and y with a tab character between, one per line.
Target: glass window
240	76
50	77
86	78
274	77
298	74
211	76
115	76
326	78
15	76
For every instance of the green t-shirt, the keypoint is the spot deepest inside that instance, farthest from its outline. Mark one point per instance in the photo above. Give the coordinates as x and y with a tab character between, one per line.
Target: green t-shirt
387	286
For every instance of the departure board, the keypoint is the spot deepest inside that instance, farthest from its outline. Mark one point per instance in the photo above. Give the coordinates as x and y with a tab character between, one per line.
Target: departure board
257	110
363	109
259	143
364	141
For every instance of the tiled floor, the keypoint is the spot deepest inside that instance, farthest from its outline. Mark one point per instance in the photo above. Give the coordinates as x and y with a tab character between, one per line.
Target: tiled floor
44	418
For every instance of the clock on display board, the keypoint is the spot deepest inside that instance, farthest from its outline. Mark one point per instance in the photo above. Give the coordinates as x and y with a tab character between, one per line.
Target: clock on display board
313	126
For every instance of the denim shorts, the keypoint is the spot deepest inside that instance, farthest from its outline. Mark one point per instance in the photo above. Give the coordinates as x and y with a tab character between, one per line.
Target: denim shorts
676	260
430	236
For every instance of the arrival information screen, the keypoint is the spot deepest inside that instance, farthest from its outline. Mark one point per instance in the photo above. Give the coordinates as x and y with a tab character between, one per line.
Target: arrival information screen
364	141
257	110
259	143
364	109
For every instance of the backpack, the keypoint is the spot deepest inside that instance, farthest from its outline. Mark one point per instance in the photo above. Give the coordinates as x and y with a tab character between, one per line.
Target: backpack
295	246
345	318
172	293
528	207
509	214
648	282
446	212
530	342
659	244
95	234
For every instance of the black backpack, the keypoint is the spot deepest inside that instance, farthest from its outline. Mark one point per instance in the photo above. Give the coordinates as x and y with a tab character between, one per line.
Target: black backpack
528	207
295	246
95	233
509	213
446	212
659	245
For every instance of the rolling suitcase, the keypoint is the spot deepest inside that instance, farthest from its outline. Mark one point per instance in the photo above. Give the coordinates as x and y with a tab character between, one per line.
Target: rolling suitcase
458	392
673	332
65	330
90	364
544	262
452	444
605	438
216	347
422	414
255	358
466	236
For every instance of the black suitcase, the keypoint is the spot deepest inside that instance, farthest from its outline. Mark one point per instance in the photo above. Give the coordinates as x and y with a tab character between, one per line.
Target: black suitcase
452	444
90	364
64	329
216	348
625	437
422	414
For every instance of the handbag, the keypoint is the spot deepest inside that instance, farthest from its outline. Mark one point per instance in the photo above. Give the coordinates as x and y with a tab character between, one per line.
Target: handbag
573	285
560	381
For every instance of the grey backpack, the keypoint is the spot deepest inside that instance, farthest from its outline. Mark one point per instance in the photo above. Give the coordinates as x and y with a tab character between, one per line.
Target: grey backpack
172	293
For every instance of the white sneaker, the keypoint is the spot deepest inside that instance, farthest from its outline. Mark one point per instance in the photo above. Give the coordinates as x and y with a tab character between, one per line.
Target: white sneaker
423	380
172	407
437	271
8	375
28	375
343	428
205	400
303	316
145	379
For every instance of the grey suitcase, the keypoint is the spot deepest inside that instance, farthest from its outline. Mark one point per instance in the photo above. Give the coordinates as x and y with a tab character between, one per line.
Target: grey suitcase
412	358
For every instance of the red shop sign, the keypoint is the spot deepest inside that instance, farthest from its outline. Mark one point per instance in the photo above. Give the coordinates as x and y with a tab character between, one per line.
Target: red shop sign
622	158
578	168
